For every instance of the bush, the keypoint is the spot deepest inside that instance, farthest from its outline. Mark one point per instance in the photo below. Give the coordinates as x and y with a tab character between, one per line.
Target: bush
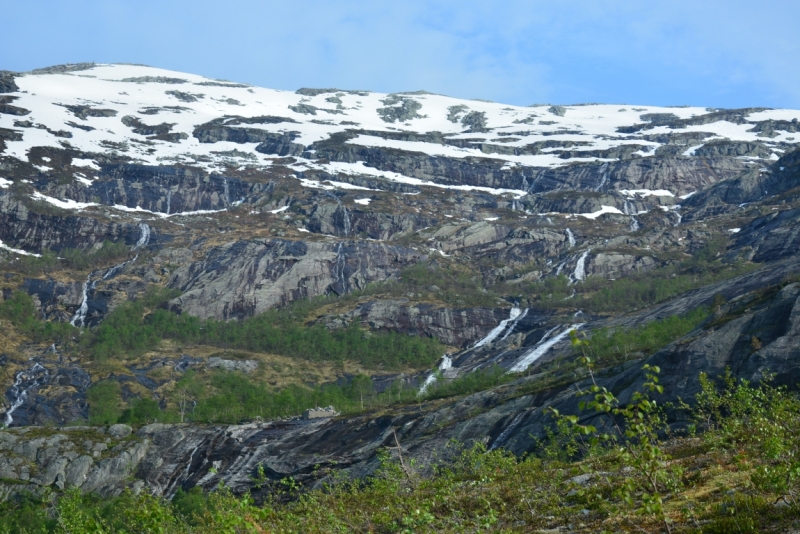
104	399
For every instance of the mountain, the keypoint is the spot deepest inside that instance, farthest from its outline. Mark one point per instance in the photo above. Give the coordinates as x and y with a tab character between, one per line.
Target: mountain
176	239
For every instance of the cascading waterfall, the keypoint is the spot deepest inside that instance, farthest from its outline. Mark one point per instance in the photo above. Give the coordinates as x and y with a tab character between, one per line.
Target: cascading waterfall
515	313
678	213
630	210
544	344
227	192
346	213
339	269
37	375
514	324
169	200
571	238
444	365
80	315
603	178
503	437
580	268
144	235
144	239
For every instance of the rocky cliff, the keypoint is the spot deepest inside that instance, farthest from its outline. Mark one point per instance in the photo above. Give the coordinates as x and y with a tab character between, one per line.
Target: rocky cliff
495	230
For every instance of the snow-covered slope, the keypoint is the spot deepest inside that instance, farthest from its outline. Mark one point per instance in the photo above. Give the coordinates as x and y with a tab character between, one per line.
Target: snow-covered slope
153	114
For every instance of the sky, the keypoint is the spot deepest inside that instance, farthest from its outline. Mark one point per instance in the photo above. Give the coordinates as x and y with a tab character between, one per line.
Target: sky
726	53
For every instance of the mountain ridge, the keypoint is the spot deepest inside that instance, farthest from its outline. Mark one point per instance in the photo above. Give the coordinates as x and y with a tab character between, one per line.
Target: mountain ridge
136	201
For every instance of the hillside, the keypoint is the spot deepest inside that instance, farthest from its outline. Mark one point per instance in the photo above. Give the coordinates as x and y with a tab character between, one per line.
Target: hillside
203	260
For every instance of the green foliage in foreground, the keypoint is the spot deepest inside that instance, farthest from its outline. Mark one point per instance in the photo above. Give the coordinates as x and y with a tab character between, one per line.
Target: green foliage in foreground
135	327
584	478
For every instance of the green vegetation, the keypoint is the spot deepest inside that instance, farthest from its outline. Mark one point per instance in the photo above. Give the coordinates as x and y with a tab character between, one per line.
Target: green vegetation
104	401
138	326
72	258
619	475
635	291
611	346
20	311
233	397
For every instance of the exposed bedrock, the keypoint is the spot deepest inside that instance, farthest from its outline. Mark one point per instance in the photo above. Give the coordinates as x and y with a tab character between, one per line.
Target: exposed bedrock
333	218
243	278
55	229
456	327
678	175
162	189
751	186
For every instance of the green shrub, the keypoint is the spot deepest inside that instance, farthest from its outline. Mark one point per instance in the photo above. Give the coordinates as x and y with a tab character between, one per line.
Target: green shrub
104	399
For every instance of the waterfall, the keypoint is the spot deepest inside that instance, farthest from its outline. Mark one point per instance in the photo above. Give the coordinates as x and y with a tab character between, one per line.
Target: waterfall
580	272
541	348
346	213
80	315
514	324
680	217
169	200
571	238
634	224
144	235
37	375
503	437
227	192
338	271
445	364
515	312
604	177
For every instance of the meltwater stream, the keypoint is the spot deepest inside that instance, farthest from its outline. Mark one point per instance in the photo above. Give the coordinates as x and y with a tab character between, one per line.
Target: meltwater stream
539	350
445	364
580	268
512	318
33	377
79	319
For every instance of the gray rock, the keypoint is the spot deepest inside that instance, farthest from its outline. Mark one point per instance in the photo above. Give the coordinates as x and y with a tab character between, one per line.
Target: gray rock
319	413
246	366
119	431
76	471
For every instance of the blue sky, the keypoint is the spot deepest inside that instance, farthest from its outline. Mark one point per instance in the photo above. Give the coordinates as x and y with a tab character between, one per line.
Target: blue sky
727	53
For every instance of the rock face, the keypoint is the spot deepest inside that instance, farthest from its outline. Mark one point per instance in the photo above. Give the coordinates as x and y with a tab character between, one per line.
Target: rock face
276	198
456	327
248	277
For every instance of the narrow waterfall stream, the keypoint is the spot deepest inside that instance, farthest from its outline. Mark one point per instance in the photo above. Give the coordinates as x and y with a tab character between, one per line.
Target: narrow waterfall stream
539	350
33	377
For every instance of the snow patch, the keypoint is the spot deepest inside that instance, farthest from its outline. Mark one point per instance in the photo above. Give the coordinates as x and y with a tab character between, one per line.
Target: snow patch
80	162
18	250
646	192
603	210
